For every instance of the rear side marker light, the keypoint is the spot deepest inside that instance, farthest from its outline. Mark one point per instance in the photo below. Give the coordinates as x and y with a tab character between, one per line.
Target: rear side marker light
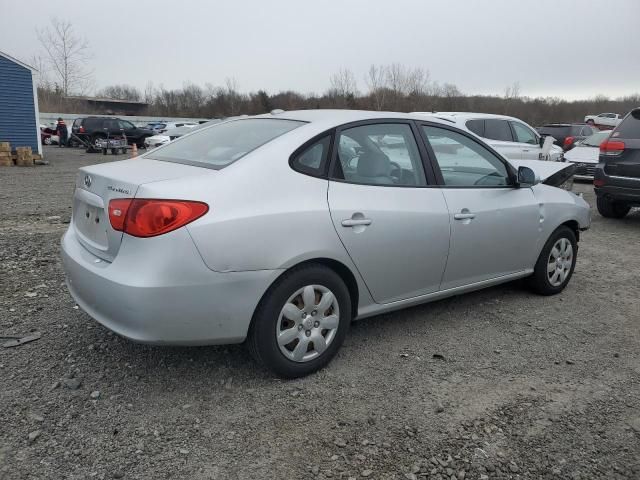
147	217
611	147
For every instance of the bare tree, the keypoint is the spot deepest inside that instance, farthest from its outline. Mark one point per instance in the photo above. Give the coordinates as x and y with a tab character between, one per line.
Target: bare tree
120	92
376	80
418	82
343	83
512	92
233	96
66	56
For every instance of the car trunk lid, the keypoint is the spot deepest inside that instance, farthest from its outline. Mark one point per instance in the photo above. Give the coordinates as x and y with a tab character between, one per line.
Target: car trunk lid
97	185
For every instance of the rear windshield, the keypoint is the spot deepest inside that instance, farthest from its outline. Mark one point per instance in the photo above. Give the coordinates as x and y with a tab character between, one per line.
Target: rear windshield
596	139
559	130
630	126
222	144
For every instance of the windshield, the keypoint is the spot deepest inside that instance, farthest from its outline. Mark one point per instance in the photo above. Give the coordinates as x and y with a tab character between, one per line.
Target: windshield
223	144
596	139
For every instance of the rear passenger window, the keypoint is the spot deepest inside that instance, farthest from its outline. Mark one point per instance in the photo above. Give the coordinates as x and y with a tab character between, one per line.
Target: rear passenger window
313	159
476	126
497	130
630	126
379	154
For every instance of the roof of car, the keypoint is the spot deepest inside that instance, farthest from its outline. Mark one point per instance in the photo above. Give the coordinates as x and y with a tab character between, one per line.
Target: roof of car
466	115
563	125
339	117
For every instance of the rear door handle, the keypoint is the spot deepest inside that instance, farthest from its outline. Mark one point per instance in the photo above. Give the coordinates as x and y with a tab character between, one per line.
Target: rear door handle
355	222
464	216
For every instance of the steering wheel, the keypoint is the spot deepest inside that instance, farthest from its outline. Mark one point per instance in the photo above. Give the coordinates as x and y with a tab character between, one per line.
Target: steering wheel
491	175
394	167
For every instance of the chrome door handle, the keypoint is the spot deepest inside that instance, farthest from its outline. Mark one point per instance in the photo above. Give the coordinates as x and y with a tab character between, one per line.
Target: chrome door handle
464	216
355	222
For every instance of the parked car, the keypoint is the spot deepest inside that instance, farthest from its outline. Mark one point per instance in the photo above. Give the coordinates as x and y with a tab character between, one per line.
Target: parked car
567	134
170	135
585	155
48	136
281	229
162	127
617	176
510	136
96	128
604	119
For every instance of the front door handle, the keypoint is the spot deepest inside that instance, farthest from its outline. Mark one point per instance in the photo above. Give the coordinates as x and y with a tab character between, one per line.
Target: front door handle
356	222
464	216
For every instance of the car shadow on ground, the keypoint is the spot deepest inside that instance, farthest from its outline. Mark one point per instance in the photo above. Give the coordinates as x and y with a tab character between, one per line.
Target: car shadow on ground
183	365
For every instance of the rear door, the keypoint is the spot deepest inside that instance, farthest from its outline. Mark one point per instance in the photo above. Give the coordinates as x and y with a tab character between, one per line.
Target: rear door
499	135
393	224
494	225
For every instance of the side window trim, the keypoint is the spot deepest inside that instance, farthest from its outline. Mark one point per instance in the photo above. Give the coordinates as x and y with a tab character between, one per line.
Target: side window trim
430	177
324	171
486	146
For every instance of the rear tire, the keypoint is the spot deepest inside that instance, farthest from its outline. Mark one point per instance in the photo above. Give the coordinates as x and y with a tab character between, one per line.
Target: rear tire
556	262
609	209
301	321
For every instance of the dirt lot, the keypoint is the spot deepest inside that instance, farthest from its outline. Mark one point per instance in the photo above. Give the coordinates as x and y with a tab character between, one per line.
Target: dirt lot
495	384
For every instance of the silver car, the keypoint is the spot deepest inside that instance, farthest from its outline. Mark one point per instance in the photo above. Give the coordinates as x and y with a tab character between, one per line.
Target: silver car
281	229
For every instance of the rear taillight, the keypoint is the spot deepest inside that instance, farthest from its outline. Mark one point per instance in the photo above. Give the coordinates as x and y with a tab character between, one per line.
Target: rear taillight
611	147
568	141
144	217
598	182
81	129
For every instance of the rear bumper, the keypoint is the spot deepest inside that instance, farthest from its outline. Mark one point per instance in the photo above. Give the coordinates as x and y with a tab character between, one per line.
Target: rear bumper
614	188
619	194
161	292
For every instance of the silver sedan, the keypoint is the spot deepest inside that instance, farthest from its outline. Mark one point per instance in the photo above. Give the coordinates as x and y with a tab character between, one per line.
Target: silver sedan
281	229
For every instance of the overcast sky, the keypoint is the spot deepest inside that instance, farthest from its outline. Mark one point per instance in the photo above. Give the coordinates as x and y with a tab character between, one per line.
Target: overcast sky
567	48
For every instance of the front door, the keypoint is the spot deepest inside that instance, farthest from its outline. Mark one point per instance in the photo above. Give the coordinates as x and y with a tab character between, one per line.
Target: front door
494	226
528	141
393	225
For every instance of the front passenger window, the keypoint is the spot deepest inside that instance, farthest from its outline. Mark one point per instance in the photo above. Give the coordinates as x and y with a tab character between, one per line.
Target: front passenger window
524	134
464	162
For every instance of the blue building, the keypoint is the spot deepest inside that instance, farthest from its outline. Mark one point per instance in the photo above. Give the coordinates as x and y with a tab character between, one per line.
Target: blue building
19	122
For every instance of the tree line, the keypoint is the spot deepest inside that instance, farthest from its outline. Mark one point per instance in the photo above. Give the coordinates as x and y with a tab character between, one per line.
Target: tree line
394	87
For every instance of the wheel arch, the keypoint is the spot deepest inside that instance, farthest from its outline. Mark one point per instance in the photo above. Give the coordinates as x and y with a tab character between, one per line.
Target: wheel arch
574	226
338	267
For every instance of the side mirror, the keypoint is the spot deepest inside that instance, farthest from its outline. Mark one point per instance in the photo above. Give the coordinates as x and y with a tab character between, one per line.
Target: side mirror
527	177
541	140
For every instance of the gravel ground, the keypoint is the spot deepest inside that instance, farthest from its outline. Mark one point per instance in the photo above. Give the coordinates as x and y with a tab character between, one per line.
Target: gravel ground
495	384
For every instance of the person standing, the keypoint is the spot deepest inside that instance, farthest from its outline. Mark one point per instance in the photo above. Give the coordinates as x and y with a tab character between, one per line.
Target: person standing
61	130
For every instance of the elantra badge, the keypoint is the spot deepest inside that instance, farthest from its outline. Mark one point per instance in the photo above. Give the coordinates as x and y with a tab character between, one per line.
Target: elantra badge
87	181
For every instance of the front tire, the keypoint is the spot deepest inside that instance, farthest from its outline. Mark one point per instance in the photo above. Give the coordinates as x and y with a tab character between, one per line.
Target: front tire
609	209
301	322
556	262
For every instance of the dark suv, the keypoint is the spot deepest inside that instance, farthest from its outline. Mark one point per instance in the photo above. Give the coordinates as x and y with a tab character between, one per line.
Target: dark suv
94	128
617	177
567	134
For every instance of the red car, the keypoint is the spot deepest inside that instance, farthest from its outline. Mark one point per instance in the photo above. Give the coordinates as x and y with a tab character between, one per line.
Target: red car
48	136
